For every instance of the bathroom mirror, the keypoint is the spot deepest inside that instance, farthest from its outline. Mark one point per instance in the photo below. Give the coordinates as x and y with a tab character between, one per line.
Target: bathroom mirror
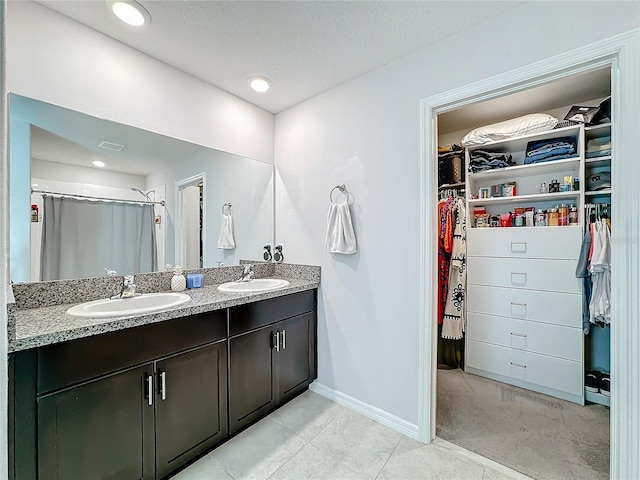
54	149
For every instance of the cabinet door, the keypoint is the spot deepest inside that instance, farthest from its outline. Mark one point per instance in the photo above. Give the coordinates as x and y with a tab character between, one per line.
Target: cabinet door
191	405
295	356
251	376
98	430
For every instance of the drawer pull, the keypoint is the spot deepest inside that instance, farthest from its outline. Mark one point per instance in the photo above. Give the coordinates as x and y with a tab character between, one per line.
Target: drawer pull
519	309
519	247
519	365
518	278
519	335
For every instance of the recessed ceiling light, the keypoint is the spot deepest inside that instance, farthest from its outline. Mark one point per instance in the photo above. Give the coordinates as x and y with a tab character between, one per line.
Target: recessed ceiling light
130	12
35	185
98	163
259	84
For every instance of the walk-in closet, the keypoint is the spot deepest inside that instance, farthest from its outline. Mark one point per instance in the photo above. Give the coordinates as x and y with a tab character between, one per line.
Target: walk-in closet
524	277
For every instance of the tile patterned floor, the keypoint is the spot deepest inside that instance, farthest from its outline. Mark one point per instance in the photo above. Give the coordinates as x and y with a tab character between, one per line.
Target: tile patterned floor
312	438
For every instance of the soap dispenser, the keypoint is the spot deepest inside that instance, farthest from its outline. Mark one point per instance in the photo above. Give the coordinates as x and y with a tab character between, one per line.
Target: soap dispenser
178	281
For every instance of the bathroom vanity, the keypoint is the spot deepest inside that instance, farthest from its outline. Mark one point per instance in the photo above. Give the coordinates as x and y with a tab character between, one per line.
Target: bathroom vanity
140	401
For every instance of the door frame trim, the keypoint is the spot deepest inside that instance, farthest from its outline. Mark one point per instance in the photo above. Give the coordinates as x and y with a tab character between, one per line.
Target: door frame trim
622	54
194	180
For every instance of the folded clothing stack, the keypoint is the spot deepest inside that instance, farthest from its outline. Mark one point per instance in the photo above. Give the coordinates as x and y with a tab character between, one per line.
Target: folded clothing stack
548	150
482	160
599	147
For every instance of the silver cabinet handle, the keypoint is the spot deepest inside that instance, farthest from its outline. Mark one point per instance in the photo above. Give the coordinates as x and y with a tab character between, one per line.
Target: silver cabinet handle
519	247
284	339
518	365
150	389
277	342
519	335
163	385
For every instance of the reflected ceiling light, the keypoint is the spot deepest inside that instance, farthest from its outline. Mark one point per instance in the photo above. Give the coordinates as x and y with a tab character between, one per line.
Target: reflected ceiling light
35	185
98	163
259	84
130	12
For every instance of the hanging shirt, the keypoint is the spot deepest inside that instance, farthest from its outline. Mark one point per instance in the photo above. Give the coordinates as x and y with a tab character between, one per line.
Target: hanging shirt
453	324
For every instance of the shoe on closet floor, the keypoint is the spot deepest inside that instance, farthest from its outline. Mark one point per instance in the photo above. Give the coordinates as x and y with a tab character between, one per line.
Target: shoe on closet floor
592	381
605	384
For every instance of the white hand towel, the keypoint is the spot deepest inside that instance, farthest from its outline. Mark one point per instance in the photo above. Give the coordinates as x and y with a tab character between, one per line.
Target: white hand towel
340	235
226	240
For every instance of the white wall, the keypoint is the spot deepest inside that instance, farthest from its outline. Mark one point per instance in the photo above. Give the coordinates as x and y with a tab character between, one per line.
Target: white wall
57	60
246	184
366	134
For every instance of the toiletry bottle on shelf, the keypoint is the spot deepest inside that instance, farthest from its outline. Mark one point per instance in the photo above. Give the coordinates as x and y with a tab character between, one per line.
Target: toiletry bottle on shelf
178	281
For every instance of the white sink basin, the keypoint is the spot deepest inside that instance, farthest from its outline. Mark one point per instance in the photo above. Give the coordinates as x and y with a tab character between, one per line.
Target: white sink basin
257	285
149	302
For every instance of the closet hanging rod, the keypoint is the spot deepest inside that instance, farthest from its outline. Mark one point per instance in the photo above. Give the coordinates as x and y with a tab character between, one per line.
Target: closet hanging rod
343	188
226	205
90	197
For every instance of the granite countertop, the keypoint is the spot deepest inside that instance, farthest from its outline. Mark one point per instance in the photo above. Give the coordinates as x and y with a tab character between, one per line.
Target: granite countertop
37	327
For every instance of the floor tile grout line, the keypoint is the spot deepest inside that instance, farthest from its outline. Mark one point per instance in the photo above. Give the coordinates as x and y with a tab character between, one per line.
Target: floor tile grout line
388	458
287	460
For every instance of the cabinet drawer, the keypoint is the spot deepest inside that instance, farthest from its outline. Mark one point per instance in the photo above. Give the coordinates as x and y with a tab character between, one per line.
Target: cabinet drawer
549	275
540	242
66	363
549	372
255	315
550	307
555	340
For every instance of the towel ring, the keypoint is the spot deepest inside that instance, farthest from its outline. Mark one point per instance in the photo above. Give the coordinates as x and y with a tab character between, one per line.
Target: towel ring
226	205
343	189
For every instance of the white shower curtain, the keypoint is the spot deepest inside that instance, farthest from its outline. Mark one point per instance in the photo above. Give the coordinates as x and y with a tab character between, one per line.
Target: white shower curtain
80	238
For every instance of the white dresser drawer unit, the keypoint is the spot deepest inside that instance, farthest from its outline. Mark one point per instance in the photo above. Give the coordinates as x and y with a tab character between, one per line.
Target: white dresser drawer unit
550	307
527	242
548	275
544	338
526	369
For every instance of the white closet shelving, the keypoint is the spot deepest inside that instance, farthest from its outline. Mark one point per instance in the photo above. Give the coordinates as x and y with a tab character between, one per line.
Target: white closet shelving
524	303
597	344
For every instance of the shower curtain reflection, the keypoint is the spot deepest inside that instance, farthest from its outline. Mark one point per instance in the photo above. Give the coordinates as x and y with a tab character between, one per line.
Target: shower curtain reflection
81	238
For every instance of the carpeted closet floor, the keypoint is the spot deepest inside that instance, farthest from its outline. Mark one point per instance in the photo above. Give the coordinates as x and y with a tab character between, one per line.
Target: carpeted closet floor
537	435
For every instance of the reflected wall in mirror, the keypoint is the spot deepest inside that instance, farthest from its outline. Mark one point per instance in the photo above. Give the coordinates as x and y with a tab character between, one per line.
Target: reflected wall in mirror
54	149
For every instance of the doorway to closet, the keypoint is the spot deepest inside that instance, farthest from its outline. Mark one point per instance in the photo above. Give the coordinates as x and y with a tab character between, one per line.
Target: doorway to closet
527	382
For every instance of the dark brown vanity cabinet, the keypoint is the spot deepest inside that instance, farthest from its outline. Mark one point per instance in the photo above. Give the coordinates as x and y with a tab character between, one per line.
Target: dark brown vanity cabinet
272	355
190	405
132	404
137	404
100	429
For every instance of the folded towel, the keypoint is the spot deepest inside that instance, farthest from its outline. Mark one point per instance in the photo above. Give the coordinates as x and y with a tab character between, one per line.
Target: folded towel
340	235
598	144
225	240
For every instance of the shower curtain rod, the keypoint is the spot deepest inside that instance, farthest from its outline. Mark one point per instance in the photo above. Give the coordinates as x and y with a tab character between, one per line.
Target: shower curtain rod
46	192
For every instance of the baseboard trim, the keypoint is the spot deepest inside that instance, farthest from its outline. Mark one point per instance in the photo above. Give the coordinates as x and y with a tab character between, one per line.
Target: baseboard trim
374	413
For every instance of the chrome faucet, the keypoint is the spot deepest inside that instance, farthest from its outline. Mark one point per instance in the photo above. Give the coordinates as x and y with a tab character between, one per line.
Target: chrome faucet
247	274
128	288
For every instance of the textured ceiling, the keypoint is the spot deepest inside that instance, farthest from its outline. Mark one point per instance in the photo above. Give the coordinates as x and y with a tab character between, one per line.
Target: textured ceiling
304	47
